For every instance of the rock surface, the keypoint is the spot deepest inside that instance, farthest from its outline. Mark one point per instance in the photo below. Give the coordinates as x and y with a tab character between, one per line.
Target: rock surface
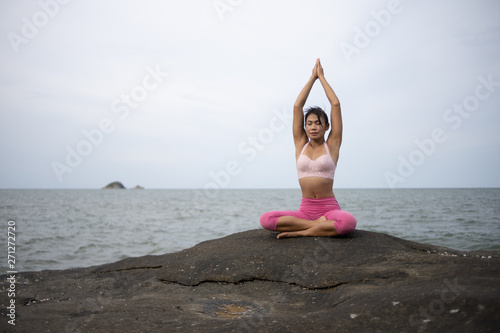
114	185
252	282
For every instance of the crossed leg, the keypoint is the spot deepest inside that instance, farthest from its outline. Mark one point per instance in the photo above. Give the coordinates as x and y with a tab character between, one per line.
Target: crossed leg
297	224
294	227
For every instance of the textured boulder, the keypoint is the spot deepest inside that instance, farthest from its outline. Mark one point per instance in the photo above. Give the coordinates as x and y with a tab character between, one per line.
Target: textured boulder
252	282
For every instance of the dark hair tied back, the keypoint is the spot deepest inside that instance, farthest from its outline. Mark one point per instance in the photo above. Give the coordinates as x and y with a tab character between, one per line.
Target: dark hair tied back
318	112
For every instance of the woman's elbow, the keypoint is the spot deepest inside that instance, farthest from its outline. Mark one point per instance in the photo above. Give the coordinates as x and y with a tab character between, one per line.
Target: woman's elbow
335	103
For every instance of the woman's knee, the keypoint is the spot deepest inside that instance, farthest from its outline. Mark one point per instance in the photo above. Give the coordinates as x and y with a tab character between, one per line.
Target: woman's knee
269	221
344	223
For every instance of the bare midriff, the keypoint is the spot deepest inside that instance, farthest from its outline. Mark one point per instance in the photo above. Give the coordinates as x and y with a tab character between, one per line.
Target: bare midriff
316	187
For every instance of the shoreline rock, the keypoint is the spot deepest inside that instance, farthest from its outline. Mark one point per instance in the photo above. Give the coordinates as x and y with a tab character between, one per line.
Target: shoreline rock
252	282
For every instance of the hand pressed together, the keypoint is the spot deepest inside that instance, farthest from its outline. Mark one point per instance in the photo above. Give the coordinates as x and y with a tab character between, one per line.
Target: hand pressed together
317	71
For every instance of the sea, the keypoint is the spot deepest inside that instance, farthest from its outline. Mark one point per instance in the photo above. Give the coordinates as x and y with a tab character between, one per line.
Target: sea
60	229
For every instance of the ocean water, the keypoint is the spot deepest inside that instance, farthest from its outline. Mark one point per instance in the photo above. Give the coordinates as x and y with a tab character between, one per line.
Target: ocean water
59	229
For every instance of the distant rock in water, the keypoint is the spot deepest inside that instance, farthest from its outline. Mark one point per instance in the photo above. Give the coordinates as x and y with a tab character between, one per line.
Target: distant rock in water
114	185
138	187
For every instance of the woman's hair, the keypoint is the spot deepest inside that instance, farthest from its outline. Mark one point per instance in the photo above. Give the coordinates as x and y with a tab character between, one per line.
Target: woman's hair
318	112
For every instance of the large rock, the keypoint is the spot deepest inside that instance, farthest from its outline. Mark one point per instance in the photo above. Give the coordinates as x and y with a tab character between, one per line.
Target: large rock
252	282
114	185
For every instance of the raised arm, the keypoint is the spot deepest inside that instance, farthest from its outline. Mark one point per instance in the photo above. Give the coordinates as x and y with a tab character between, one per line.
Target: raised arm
299	133
334	139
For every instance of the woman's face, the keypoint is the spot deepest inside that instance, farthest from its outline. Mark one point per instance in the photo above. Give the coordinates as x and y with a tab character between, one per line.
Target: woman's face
314	129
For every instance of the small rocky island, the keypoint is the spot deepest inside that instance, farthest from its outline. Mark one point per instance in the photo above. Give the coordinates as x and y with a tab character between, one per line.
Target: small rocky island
252	282
114	185
118	185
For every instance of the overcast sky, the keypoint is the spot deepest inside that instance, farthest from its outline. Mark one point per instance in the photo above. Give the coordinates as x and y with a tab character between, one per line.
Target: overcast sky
199	94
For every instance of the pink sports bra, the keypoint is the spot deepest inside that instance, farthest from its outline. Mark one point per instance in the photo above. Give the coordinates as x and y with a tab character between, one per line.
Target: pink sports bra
323	166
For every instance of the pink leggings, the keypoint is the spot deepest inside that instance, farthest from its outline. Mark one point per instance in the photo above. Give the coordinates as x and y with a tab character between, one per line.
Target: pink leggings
313	209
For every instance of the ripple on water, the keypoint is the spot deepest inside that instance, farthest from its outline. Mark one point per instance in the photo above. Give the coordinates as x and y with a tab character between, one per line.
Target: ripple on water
73	228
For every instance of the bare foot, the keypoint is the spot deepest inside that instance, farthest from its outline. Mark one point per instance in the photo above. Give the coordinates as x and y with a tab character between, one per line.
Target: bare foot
320	229
301	233
321	219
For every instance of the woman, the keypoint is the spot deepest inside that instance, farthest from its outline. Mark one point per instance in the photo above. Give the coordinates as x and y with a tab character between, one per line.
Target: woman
319	213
